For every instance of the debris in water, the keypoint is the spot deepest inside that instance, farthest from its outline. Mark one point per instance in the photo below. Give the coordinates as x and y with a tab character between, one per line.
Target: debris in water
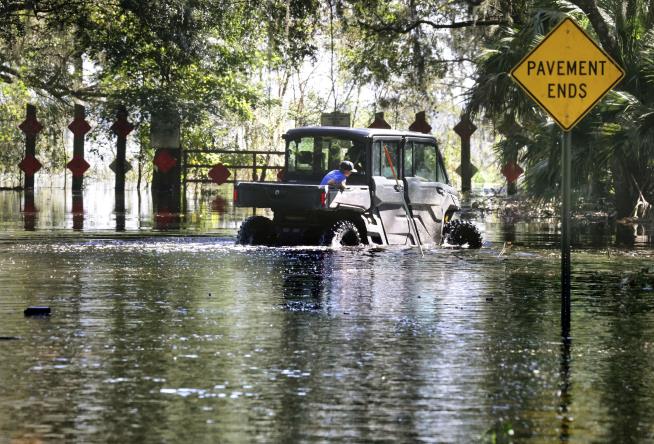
37	311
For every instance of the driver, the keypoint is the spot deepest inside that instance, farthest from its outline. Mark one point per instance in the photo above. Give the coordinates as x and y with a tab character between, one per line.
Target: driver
338	177
356	154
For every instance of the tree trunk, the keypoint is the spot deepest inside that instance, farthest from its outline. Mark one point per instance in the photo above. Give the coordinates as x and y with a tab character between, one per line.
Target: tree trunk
601	27
625	192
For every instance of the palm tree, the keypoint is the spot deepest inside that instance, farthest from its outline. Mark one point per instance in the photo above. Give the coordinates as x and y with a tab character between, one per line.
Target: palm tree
612	146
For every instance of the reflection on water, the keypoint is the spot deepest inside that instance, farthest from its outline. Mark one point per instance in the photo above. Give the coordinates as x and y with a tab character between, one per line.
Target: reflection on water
158	337
119	210
78	211
29	211
99	209
200	211
304	278
565	389
596	235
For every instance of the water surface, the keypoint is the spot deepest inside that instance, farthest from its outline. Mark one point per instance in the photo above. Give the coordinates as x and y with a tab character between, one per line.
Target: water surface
165	336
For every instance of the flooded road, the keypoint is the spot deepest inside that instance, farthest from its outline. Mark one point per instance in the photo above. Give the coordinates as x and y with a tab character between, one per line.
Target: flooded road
162	336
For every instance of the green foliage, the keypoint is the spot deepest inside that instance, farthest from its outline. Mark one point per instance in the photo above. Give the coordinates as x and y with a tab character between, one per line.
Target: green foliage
224	65
291	29
50	144
13	99
500	433
612	146
199	57
393	46
196	56
189	56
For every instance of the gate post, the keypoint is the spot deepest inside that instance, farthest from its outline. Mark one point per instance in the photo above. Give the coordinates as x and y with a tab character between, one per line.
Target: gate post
512	171
165	139
379	122
121	128
166	177
31	127
420	124
78	166
254	167
465	129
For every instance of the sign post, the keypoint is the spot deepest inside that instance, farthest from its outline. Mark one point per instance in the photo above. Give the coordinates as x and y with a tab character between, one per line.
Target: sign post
566	166
567	74
335	119
465	129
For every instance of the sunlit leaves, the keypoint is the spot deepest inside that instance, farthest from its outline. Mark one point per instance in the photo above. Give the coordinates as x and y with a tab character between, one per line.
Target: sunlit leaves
612	145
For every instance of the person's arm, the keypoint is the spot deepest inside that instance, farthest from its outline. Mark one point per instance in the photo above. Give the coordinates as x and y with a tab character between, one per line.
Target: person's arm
340	185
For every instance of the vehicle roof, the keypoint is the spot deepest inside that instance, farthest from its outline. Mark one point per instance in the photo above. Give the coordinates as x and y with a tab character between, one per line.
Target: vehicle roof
349	132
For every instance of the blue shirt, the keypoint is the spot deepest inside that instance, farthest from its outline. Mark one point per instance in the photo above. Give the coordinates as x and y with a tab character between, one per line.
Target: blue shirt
336	175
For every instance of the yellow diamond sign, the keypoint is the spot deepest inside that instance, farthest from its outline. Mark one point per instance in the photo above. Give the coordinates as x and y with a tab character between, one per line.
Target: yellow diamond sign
567	74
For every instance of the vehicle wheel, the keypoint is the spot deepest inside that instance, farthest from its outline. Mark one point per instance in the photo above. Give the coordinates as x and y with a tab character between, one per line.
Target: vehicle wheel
342	233
256	230
461	232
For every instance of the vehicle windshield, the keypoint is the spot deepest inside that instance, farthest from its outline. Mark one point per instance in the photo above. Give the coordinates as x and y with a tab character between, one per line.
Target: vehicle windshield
311	157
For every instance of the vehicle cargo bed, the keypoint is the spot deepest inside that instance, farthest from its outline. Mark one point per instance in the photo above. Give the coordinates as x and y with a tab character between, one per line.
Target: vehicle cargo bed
279	195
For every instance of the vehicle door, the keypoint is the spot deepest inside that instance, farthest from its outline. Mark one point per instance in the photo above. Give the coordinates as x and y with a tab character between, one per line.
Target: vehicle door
387	197
356	195
426	186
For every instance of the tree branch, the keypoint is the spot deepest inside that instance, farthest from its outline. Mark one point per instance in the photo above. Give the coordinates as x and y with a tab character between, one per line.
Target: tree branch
411	26
459	60
51	86
601	27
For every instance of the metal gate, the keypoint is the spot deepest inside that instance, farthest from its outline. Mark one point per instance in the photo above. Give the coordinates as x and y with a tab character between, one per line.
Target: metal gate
241	162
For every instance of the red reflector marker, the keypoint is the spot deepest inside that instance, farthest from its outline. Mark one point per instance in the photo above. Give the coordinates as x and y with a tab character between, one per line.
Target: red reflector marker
323	199
235	194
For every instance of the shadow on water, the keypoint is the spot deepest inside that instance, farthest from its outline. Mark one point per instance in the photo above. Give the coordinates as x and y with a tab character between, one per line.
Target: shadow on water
305	275
349	356
565	388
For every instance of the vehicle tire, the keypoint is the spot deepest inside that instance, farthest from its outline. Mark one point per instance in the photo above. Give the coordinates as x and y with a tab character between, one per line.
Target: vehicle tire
461	232
256	230
342	233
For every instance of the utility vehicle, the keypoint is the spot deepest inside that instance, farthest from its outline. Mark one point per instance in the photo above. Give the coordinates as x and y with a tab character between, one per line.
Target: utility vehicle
400	194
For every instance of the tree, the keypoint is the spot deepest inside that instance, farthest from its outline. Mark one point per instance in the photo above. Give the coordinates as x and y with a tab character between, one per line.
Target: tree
613	144
199	57
405	48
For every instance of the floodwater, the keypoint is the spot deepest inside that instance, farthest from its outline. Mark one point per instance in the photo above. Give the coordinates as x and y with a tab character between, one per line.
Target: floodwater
164	331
